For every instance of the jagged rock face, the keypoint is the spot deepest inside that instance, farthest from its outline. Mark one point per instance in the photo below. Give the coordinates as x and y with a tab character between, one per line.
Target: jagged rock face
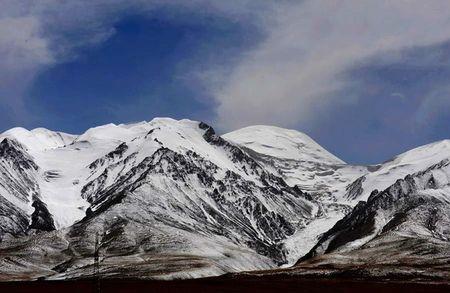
13	221
41	219
109	157
17	170
354	190
410	218
21	209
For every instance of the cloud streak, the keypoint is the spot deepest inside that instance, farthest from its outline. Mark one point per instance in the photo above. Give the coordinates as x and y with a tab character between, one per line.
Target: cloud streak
295	75
37	34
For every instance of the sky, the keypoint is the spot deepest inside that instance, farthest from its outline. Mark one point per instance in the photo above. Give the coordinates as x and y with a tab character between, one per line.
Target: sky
365	79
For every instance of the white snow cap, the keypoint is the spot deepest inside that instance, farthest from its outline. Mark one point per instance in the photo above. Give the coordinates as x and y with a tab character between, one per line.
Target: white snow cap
282	143
38	139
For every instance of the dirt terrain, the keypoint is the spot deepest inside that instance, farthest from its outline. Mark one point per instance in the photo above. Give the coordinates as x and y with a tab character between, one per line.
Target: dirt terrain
230	283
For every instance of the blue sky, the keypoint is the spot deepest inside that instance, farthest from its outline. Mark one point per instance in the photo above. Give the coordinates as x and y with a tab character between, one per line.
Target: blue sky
366	80
140	72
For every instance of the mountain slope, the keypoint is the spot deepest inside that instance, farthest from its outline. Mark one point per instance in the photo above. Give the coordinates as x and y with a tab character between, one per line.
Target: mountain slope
337	187
302	162
402	230
410	162
21	208
297	158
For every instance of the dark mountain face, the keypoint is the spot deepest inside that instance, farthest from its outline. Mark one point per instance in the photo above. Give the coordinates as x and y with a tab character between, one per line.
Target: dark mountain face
18	178
13	221
41	219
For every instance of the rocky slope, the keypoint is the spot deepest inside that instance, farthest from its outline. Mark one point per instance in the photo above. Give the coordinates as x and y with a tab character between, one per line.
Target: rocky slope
403	230
300	161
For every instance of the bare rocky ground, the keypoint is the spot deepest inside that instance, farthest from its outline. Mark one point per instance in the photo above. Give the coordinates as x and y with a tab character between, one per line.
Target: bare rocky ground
229	283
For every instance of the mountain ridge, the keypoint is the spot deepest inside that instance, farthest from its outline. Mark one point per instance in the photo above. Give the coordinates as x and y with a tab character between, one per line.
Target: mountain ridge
155	193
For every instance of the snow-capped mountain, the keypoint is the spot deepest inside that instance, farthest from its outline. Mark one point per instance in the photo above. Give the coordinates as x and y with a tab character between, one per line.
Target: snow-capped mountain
166	188
283	144
300	161
386	174
297	158
167	198
403	230
338	187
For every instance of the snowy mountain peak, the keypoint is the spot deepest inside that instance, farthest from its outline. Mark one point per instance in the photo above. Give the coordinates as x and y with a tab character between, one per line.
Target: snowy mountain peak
424	153
39	139
410	162
281	143
105	132
124	132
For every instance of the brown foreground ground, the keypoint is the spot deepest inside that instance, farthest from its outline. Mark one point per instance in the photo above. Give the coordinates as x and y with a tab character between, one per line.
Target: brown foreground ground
224	284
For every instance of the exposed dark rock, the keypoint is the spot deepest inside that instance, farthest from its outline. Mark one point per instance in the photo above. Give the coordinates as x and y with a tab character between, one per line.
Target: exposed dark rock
41	219
111	156
13	152
13	221
17	177
355	189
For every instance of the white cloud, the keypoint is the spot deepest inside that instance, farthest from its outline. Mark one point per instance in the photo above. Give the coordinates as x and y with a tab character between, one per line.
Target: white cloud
22	47
293	75
23	51
290	78
37	34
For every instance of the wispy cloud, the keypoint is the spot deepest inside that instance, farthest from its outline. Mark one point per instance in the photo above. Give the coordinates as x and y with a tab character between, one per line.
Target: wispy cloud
22	53
38	34
295	74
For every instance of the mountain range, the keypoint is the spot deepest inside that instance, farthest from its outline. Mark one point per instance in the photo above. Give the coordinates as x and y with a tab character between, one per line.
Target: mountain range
172	199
